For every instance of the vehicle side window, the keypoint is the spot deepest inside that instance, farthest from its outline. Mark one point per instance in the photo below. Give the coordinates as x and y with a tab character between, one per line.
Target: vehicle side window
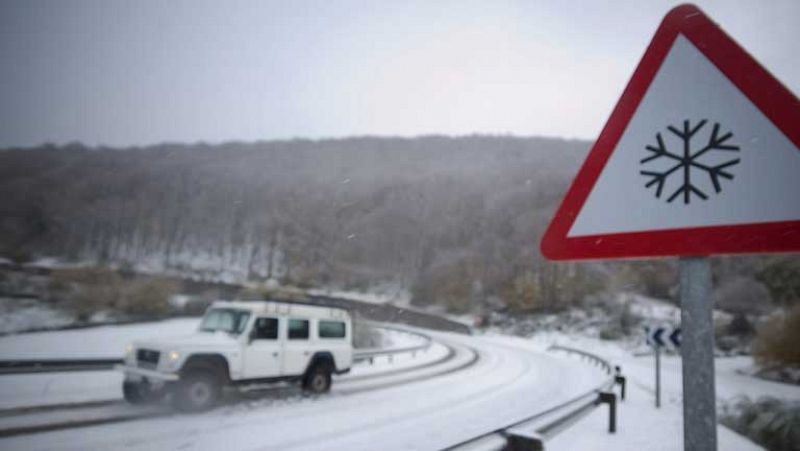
265	329
298	329
331	329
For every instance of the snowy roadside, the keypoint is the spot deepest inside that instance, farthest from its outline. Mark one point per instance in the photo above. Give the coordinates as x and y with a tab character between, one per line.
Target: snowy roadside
93	342
640	425
24	314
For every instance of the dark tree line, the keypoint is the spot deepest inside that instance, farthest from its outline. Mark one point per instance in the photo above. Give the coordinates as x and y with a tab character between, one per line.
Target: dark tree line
456	220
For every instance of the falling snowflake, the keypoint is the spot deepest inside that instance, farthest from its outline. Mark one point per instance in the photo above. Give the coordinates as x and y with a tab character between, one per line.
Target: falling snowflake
688	161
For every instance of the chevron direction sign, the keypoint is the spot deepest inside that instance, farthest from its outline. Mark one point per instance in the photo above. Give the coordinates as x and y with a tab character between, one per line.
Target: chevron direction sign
663	337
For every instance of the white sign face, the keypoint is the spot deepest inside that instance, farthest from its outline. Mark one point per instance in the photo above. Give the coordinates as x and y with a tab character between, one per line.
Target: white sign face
697	152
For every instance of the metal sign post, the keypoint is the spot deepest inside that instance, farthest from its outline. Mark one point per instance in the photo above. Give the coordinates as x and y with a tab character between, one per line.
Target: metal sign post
697	353
729	130
658	376
658	337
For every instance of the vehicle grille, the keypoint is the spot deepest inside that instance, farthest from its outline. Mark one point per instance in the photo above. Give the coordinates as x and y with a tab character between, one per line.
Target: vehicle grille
147	358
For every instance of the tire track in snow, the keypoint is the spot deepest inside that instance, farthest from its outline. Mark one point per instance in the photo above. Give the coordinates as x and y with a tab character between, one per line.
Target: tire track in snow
115	411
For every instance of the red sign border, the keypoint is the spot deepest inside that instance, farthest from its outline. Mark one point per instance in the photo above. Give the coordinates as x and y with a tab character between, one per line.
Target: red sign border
776	102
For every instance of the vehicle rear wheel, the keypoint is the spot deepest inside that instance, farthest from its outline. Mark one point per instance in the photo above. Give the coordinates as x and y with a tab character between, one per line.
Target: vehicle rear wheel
318	379
196	392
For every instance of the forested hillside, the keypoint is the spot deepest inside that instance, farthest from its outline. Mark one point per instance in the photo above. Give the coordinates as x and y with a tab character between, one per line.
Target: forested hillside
455	220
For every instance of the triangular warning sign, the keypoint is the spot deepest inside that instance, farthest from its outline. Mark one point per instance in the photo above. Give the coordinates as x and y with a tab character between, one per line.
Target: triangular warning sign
700	156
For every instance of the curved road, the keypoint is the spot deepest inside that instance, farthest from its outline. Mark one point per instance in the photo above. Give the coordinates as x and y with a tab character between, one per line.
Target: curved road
487	383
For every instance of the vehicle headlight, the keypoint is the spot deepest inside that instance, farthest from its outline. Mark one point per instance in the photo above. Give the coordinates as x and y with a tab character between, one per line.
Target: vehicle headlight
130	354
172	360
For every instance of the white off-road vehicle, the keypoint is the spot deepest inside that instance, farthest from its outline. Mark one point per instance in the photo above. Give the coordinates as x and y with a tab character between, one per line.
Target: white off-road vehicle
241	343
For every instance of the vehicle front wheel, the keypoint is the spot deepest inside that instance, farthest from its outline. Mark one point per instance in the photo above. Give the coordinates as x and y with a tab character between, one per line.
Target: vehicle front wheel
318	379
196	392
136	392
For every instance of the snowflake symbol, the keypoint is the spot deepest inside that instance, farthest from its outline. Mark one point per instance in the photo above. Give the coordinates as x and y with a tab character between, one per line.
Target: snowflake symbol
688	161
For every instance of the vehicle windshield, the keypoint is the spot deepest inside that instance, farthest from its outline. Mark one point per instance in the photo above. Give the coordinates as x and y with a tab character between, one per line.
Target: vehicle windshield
226	320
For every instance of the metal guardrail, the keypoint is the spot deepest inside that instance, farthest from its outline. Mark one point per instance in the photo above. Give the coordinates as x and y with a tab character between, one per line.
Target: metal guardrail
370	354
56	365
596	359
531	432
359	356
30	366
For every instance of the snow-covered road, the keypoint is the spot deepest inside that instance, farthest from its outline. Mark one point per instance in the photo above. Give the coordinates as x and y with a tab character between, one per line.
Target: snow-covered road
489	382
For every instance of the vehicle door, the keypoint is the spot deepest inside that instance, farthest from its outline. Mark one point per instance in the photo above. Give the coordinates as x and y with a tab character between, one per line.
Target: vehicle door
297	350
263	352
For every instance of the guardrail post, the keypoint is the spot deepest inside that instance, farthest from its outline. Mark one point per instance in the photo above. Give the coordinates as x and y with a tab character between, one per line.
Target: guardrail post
527	442
620	380
611	399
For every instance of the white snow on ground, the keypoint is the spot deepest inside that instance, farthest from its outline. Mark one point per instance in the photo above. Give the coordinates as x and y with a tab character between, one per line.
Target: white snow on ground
25	314
465	319
659	311
641	369
93	342
506	384
384	294
434	353
641	425
395	296
653	309
27	390
31	390
514	378
56	263
399	339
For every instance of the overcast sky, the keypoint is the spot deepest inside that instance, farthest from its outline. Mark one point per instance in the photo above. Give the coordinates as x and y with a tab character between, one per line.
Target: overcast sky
143	72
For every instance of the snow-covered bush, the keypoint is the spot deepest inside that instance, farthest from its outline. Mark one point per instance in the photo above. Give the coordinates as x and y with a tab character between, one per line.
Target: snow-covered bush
655	278
734	336
85	291
770	422
196	305
149	297
781	276
778	338
742	296
450	286
622	321
521	294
